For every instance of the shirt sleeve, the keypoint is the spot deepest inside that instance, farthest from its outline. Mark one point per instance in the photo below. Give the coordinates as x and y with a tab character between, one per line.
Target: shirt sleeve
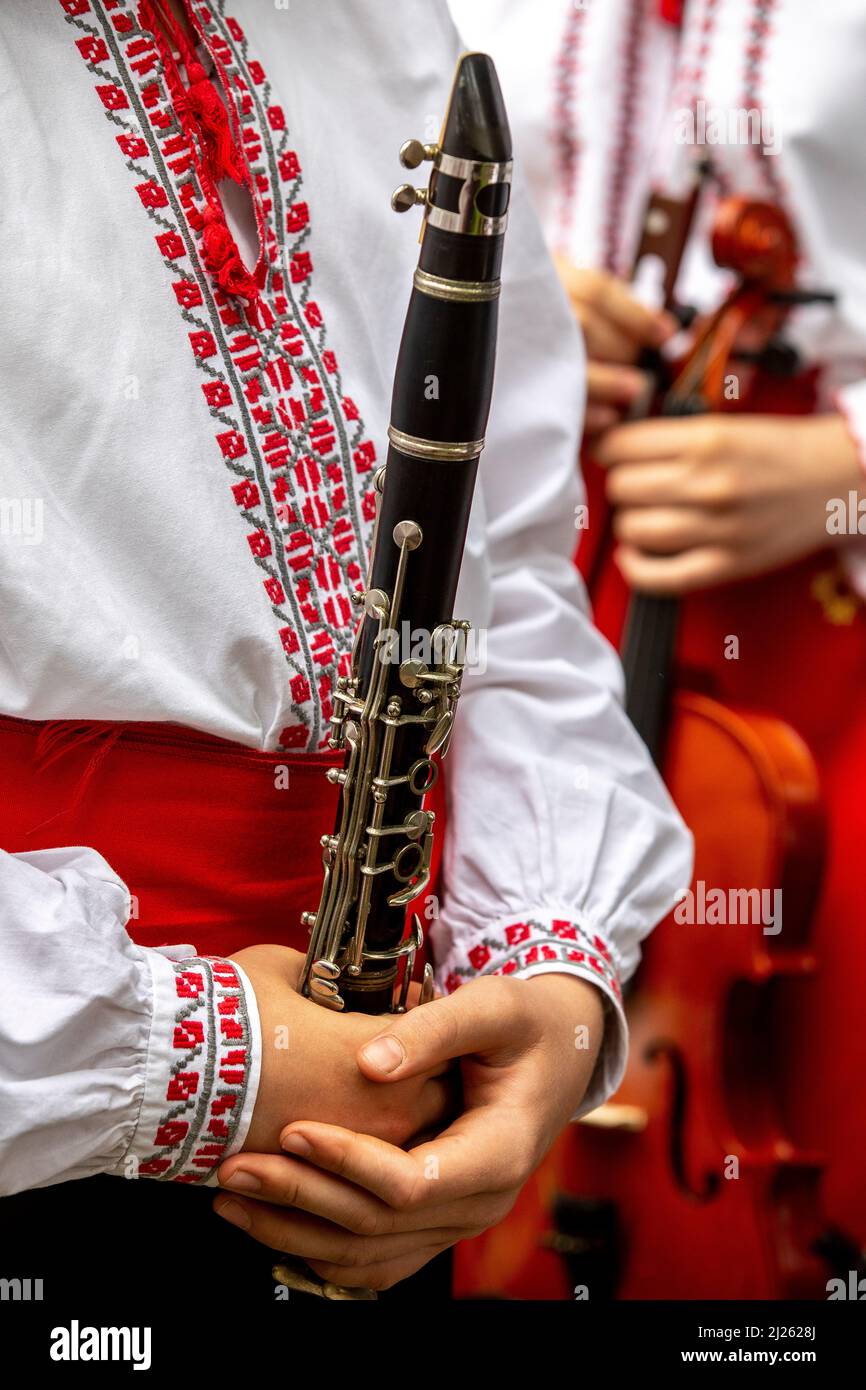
563	847
114	1058
850	401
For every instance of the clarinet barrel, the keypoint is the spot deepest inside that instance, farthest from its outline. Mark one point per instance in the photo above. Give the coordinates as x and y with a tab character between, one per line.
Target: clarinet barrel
394	711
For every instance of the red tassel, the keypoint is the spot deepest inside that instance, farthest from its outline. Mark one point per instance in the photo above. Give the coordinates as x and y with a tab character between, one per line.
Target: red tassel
223	259
671	11
206	122
201	100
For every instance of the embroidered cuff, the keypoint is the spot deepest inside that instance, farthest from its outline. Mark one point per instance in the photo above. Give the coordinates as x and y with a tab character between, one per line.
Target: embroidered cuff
540	944
203	1066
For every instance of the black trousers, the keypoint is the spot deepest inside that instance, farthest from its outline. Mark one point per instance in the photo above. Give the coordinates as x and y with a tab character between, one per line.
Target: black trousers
157	1247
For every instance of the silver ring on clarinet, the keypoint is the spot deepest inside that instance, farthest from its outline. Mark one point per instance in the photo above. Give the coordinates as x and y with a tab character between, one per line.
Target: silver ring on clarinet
442	450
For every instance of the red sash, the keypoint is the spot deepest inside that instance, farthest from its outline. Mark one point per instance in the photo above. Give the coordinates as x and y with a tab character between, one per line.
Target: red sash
218	844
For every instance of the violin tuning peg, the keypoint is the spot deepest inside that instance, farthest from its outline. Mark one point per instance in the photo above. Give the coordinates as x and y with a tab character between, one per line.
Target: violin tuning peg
406	197
414	152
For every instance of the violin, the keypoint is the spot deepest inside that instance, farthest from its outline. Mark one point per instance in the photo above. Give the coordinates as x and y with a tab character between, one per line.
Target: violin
688	1183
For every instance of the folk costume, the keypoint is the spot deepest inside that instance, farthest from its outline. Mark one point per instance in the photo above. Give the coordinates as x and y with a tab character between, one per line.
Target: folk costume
606	98
204	301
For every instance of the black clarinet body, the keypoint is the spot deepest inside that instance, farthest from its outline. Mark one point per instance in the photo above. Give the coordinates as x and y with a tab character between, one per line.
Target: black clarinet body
394	713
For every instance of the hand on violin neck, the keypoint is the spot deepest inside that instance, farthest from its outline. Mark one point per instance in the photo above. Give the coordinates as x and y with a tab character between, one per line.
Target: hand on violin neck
616	328
708	499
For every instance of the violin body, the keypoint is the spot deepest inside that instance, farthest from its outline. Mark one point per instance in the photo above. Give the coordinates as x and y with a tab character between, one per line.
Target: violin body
692	1189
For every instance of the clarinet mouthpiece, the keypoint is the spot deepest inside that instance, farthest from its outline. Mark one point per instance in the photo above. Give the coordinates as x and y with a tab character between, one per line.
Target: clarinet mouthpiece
476	124
470	182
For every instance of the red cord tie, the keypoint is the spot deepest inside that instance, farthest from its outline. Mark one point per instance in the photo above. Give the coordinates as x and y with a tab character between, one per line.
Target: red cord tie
223	259
201	101
671	11
206	123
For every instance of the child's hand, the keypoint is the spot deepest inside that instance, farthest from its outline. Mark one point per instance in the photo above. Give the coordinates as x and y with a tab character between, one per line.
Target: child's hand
364	1213
309	1065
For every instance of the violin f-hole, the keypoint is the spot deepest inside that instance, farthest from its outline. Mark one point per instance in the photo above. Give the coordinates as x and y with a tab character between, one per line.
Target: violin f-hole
708	1188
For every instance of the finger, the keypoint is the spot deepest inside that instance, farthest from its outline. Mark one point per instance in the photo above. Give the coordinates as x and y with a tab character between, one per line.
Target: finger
296	1233
604	340
378	1276
486	1150
612	299
656	439
362	1161
269	1180
598	418
615	299
667	530
281	1180
609	384
670	482
480	1017
677	574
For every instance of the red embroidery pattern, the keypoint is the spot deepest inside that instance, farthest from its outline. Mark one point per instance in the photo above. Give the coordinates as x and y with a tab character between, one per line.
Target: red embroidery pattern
290	438
205	1094
760	31
521	945
695	48
623	146
566	138
694	55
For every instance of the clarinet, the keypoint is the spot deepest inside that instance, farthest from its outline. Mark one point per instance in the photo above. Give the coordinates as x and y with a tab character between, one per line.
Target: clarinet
394	713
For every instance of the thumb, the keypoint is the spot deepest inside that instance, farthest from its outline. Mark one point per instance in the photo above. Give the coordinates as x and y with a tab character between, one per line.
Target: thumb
477	1018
